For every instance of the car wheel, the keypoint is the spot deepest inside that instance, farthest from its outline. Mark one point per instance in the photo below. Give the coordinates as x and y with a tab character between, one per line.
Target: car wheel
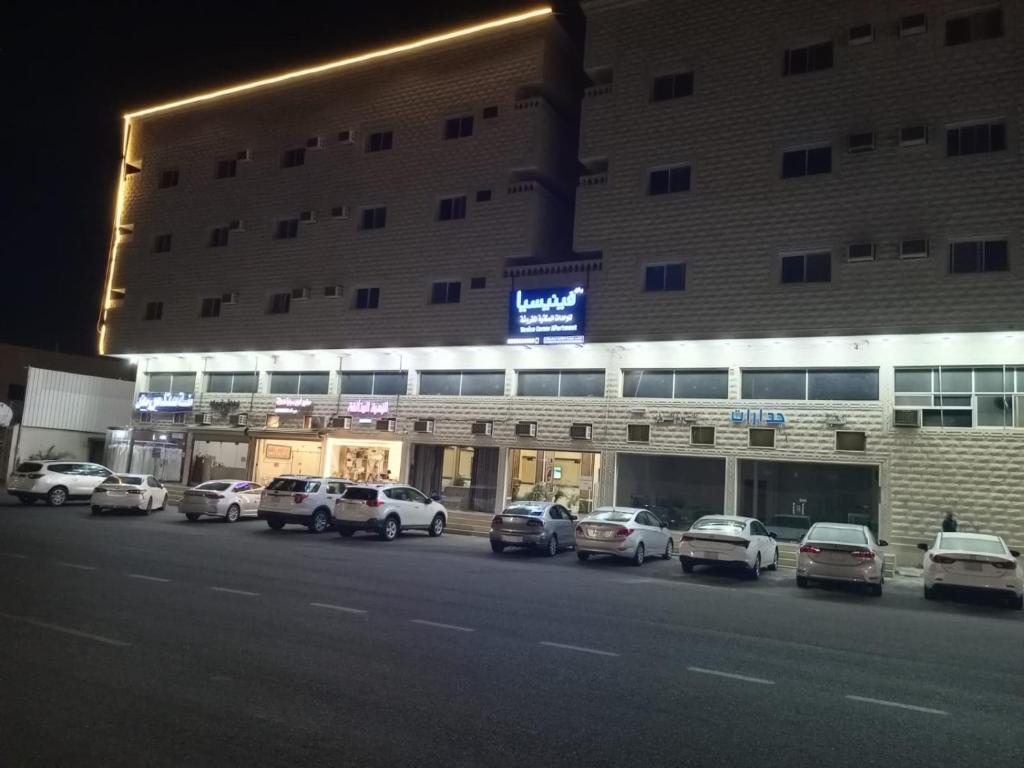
57	497
583	556
775	561
234	512
638	556
275	523
320	521
436	525
755	572
552	548
191	516
346	533
497	548
875	590
802	582
668	550
390	530
149	508
687	563
929	593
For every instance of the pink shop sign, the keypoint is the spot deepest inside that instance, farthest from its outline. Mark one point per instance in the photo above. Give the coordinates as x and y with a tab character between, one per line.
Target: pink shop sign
372	407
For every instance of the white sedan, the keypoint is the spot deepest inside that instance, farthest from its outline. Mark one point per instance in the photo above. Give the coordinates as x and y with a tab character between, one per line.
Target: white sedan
740	542
624	532
841	552
973	561
138	493
227	499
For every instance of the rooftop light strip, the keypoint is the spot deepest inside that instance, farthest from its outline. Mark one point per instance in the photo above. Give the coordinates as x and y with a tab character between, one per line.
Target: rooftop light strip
296	74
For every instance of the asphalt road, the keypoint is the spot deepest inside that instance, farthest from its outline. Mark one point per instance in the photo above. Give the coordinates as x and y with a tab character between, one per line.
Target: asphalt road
131	641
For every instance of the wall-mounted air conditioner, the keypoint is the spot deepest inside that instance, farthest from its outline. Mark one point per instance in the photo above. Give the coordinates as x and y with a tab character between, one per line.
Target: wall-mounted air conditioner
229	298
307	217
906	417
385	425
581	432
339	212
347	137
205	418
526	429
237	225
332	291
423	425
315	143
485	428
241	419
300	293
341	422
244	154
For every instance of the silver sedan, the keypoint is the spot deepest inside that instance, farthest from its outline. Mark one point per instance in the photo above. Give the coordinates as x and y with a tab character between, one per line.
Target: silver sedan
229	499
534	524
624	532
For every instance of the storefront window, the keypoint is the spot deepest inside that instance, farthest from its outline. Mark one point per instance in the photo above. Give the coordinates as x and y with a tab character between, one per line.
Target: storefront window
811	384
364	461
566	477
962	397
161	454
466	477
465	383
676	384
172	382
561	383
374	382
679	489
231	382
311	383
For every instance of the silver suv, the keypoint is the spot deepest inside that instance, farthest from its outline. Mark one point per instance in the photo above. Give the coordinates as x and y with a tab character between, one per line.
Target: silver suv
388	509
301	500
55	482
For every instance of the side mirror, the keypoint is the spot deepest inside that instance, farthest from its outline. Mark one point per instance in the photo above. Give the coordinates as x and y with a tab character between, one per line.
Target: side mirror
435	497
574	517
883	543
1015	552
772	535
923	547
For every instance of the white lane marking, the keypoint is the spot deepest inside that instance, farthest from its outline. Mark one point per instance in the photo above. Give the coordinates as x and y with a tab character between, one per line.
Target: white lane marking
885	703
144	577
731	676
342	608
65	630
439	625
15	555
235	591
78	566
579	648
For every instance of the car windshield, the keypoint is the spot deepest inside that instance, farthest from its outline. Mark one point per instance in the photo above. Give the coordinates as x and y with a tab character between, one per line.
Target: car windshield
29	466
718	522
789	521
838	534
612	516
968	544
288	484
527	511
360	494
214	486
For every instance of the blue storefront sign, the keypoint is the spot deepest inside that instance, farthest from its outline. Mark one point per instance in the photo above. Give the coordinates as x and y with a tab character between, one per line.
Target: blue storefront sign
547	316
757	417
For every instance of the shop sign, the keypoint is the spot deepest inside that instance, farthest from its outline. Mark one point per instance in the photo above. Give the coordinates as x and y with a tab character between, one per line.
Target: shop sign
274	451
372	407
757	417
292	404
164	402
547	316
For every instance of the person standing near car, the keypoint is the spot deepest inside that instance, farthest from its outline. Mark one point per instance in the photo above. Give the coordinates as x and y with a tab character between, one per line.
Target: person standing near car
949	524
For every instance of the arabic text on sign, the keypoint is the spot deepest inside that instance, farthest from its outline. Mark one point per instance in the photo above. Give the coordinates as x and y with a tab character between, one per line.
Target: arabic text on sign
372	407
291	404
757	416
164	401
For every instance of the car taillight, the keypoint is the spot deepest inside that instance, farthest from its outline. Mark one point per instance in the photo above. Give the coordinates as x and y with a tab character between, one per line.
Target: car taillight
33	476
497	520
942	559
807	549
1003	566
687	537
374	503
623	533
298	498
214	495
100	490
579	530
535	523
863	554
135	491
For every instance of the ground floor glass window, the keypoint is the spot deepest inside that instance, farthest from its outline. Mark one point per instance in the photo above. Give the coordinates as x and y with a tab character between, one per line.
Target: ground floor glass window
679	489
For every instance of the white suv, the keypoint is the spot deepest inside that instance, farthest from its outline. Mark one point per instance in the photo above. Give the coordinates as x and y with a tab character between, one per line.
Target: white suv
55	482
302	500
387	510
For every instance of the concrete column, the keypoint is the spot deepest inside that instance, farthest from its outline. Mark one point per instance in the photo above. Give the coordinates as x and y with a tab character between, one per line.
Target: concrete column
731	485
502	480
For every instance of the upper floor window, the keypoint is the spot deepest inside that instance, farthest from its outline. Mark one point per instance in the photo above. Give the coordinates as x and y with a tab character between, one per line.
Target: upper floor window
374	382
676	383
280	303
807	267
162	244
975	139
978	256
561	383
913	24
286	229
367	298
673	86
232	382
210	307
303	383
227	168
490	113
458	127
446	293
666	180
373	218
983	24
810	58
811	384
379	141
477	283
452	208
963	397
168	178
665	277
172	382
154	311
219	237
465	383
293	157
809	161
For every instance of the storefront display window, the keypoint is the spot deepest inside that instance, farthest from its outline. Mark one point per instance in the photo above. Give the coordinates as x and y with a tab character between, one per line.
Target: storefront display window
466	477
374	382
566	477
275	456
679	489
144	452
172	382
364	461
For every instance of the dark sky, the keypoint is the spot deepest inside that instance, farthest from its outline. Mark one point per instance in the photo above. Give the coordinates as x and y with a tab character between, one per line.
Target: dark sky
70	71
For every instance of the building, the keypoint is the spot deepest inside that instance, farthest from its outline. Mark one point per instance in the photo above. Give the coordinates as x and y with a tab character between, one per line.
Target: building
792	288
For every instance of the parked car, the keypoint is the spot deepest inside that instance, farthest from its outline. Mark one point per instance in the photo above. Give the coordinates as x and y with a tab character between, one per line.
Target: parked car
301	500
623	532
388	509
788	527
977	562
228	499
841	552
55	482
740	542
534	524
138	493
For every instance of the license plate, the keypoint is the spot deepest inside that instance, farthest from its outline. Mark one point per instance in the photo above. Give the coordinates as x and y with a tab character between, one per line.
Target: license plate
513	539
710	555
969	566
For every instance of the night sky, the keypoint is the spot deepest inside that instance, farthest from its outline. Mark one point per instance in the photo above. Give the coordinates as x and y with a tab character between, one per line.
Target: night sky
71	70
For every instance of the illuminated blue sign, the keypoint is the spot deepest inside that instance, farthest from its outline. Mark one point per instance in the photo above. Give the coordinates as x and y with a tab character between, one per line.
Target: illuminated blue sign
547	316
757	417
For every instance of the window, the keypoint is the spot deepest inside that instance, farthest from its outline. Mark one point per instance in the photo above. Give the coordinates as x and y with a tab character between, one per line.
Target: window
172	382
379	141
857	143
851	441
665	181
17	392
154	311
373	218
811	161
638	433
807	268
985	24
860	252
674	86
702	435
286	229
810	384
561	383
761	438
367	298
219	237
339	212
490	113
665	277
280	303
978	256
963	397
975	139
477	283
374	382
913	135
811	58
913	24
226	169
483	196
162	244
465	383
210	307
169	178
458	127
446	293
240	383
178	418
860	34
452	208
293	157
913	249
678	384
306	383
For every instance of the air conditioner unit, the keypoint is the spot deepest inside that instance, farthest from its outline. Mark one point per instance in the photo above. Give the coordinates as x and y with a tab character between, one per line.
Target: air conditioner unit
244	154
581	432
258	420
341	422
332	291
300	293
307	217
237	225
526	429
204	418
316	422
485	428
906	417
314	143
347	137
423	425
386	425
229	298
241	419
339	212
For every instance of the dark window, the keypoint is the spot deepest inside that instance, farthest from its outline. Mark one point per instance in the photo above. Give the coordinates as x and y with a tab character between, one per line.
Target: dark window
774	385
490	113
219	237
667	180
975	139
227	168
913	135
860	142
379	142
851	441
914	24
367	298
702	435
483	196
839	384
665	277
172	382
374	382
299	383
807	268
231	382
286	229
466	383
860	252
293	157
280	303
638	433
458	127
683	384
476	283
806	162
980	25
561	383
861	33
446	293
169	178
17	392
978	256
210	307
154	311
162	244
373	218
945	417
675	86
762	438
811	58
452	208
